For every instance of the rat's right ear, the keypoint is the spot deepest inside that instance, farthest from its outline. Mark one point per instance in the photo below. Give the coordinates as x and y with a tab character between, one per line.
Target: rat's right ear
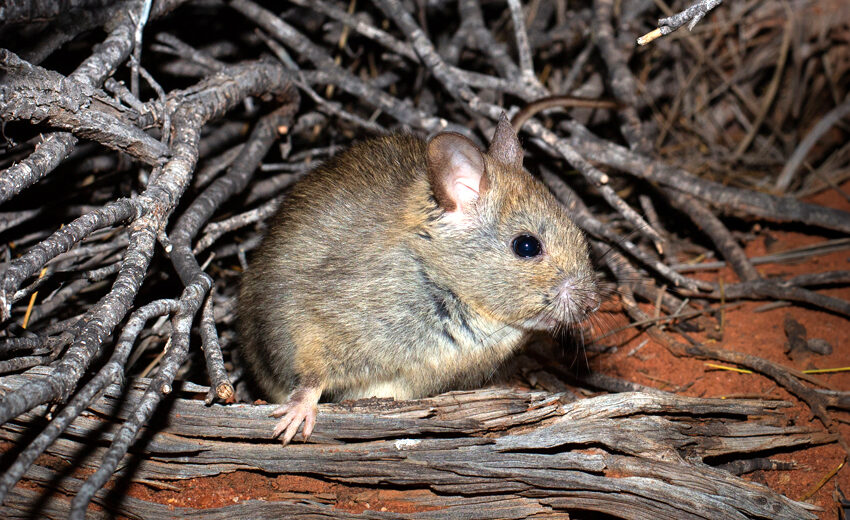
505	146
456	172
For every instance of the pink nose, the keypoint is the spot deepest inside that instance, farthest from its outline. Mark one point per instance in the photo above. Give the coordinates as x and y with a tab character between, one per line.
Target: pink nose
580	296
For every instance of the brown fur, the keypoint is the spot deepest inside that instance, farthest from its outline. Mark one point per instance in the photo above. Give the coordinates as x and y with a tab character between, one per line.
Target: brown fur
364	287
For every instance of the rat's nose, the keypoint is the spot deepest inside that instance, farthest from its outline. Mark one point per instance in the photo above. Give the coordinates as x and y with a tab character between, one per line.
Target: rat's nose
579	297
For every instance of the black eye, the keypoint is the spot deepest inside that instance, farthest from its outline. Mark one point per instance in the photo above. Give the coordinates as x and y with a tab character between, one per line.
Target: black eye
526	246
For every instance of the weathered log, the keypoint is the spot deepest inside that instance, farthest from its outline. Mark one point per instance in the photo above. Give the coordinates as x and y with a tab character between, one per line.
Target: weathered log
629	454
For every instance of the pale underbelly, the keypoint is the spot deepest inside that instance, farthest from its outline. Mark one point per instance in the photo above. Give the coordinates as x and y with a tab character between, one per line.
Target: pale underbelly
448	366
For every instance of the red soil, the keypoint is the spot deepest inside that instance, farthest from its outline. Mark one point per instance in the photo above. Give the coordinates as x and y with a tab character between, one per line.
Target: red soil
762	334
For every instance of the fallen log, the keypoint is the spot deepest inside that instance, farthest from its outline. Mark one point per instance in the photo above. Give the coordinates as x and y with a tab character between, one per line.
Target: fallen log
492	453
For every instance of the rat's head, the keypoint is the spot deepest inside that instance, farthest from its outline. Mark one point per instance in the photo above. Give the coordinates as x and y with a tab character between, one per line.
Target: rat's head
503	242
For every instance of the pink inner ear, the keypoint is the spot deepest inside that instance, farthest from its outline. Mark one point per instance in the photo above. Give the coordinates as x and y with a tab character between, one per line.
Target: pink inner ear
456	172
464	181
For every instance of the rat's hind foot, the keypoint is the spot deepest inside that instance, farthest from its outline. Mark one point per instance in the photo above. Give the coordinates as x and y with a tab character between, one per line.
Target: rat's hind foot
302	406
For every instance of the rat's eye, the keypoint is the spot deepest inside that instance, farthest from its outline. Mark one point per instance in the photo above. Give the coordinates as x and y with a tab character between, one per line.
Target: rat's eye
526	246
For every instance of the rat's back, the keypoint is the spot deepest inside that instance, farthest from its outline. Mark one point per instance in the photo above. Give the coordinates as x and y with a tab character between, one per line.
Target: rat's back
331	255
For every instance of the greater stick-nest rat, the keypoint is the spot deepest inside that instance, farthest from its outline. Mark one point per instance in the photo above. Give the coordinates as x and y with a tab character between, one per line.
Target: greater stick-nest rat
402	268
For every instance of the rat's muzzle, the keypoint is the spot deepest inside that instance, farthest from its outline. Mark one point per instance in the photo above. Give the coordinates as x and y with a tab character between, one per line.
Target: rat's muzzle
575	299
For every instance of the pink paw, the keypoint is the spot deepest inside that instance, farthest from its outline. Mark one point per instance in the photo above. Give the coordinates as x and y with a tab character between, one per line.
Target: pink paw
302	406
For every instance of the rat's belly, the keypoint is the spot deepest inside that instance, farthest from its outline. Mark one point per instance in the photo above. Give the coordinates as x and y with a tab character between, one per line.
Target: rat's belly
447	361
465	363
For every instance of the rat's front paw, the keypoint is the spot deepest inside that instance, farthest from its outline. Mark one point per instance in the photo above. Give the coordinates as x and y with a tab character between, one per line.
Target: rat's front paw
302	406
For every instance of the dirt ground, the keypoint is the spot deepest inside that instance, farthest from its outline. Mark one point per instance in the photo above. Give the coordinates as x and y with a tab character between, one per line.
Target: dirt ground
745	329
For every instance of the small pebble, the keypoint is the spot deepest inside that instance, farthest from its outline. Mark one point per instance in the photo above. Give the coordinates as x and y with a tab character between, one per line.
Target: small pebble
796	334
819	346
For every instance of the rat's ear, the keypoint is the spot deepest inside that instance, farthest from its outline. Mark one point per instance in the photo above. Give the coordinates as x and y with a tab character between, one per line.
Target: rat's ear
456	171
505	146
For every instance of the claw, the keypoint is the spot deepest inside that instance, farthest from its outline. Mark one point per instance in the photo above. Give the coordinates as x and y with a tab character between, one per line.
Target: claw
302	406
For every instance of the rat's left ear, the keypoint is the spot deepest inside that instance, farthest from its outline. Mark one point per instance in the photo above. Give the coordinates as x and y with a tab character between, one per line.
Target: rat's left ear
505	146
